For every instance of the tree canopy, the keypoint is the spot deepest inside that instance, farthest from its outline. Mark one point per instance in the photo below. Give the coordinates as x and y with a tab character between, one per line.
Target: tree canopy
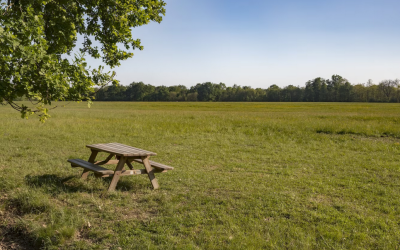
335	89
35	34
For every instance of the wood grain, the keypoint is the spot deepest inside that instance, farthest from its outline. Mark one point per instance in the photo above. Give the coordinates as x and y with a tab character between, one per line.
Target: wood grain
120	149
155	164
150	172
92	159
117	174
89	166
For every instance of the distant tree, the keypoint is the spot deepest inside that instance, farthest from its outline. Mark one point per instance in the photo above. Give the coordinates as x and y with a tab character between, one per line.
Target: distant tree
309	92
345	92
360	93
274	93
387	87
178	93
138	91
260	95
333	87
246	94
317	90
161	93
323	93
230	94
192	97
117	93
291	94
368	89
208	91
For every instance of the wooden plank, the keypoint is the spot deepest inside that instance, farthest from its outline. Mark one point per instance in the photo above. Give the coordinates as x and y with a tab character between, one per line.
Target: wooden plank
92	159
90	166
140	171
106	161
128	148
150	172
133	172
155	164
129	164
120	149
117	174
115	149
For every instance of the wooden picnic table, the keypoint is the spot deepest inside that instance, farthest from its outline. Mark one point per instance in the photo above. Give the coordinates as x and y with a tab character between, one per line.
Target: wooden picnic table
124	154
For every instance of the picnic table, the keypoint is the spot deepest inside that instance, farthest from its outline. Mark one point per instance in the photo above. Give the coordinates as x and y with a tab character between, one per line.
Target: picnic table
124	155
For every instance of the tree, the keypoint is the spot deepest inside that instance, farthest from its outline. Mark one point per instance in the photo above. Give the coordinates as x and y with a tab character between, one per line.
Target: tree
345	92
112	93
292	94
208	91
177	93
161	93
387	87
309	92
360	93
273	93
138	91
336	89
35	34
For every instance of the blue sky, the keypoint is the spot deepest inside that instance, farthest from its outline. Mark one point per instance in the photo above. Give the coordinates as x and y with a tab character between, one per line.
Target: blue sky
260	42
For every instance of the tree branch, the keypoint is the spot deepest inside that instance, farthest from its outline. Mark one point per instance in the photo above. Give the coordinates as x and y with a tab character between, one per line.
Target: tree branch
9	5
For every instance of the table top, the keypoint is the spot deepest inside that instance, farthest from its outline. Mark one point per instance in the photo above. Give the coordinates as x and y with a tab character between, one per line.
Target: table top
120	149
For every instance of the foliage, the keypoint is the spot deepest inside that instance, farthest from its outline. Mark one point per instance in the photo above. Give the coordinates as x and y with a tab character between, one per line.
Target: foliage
35	34
388	87
208	91
336	89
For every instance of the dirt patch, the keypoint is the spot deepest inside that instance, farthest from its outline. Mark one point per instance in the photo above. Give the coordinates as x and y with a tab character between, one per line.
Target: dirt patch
213	167
127	213
320	199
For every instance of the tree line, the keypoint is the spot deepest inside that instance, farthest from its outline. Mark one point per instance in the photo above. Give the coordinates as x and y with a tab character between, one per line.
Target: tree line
335	89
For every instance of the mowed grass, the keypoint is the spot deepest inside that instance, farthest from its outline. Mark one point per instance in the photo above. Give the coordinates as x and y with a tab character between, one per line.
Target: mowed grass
247	176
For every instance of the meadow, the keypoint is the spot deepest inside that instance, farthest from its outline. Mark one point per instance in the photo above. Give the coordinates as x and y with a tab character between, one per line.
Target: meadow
247	176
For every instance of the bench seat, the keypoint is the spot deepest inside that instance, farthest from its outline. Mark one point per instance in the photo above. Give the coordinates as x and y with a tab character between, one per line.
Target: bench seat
90	166
155	164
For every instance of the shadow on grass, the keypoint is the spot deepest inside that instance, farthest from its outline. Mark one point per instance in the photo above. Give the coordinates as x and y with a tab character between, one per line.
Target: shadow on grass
56	184
124	185
14	234
14	237
71	184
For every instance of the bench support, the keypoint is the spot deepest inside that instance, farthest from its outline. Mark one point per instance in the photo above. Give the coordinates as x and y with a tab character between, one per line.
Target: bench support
150	172
92	159
106	161
129	164
117	174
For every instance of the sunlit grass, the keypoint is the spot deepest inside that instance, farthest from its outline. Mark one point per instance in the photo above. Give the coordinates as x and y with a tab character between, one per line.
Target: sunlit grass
247	175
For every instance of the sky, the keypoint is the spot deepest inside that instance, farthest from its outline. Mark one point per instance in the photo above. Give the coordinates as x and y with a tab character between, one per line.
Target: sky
258	43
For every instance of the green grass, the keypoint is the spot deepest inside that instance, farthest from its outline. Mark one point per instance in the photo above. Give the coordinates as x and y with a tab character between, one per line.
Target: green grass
247	176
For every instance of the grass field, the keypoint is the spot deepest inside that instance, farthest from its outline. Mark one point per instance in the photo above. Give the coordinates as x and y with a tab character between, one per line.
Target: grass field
247	176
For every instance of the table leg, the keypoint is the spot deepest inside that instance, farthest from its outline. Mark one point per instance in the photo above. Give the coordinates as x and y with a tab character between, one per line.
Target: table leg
129	164
92	159
117	174
150	172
